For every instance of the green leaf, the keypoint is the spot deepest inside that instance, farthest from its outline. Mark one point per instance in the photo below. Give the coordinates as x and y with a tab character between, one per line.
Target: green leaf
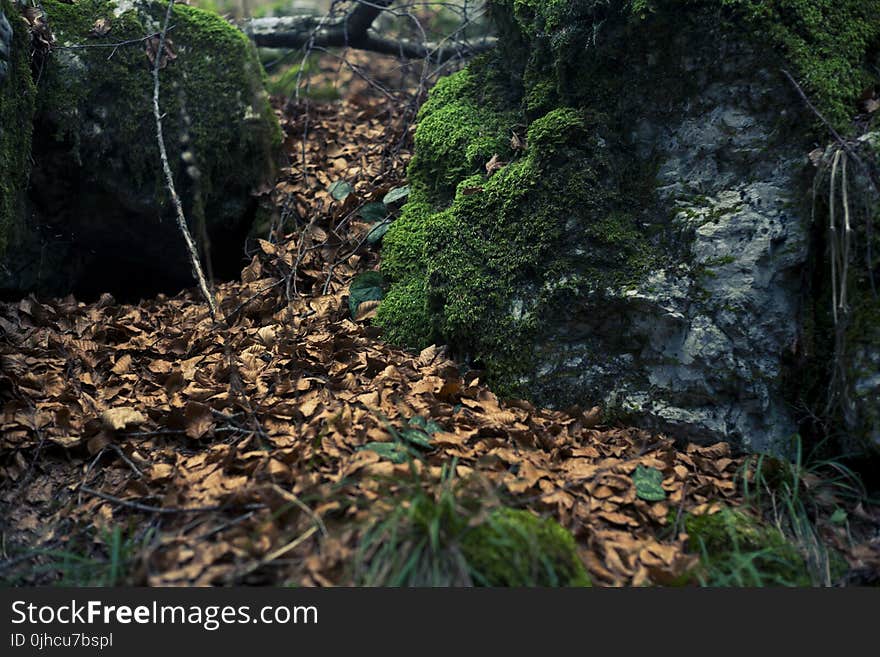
648	483
838	517
416	437
394	452
373	212
378	232
340	190
396	194
367	286
432	427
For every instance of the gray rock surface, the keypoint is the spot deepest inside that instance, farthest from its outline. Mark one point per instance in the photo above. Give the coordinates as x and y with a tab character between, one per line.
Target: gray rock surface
698	349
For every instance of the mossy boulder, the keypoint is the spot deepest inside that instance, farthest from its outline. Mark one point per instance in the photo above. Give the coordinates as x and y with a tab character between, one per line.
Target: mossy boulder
17	102
102	218
614	208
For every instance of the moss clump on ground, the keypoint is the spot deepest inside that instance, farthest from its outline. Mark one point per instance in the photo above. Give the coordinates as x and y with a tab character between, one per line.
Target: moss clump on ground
516	548
737	549
17	103
212	97
434	538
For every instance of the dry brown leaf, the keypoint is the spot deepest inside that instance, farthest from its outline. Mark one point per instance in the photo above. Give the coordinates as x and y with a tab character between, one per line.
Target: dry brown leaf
122	417
100	28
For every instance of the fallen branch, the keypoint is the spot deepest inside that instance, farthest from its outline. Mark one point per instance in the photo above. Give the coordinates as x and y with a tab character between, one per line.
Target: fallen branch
169	178
354	30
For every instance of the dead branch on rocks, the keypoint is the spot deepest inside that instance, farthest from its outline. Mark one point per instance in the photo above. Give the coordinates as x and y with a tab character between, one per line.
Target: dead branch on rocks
354	29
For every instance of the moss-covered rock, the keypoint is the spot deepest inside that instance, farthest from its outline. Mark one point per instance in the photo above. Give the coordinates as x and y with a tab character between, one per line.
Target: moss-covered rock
516	548
829	45
643	241
17	101
97	184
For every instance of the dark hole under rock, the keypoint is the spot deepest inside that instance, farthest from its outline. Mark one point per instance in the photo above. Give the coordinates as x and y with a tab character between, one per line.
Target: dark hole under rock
86	239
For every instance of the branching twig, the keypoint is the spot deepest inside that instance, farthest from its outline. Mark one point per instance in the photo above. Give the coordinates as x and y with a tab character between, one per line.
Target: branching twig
844	144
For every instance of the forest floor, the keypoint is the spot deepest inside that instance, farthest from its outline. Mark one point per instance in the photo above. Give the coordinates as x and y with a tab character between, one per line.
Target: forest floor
147	444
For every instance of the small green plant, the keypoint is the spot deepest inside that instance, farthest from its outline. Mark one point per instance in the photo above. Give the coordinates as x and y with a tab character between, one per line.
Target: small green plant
738	549
448	535
795	495
774	539
778	542
408	443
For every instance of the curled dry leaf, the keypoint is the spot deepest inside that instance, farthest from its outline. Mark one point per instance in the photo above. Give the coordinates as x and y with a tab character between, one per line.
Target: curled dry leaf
367	310
516	142
168	52
494	164
470	191
122	417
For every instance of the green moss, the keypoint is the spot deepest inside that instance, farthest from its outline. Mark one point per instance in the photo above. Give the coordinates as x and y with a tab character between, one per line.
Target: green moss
828	42
459	131
405	313
737	549
555	128
450	536
464	270
516	548
212	93
17	103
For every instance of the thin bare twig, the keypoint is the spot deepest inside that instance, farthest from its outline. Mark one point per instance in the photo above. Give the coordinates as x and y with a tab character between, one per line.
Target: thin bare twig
169	510
126	460
299	540
198	274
